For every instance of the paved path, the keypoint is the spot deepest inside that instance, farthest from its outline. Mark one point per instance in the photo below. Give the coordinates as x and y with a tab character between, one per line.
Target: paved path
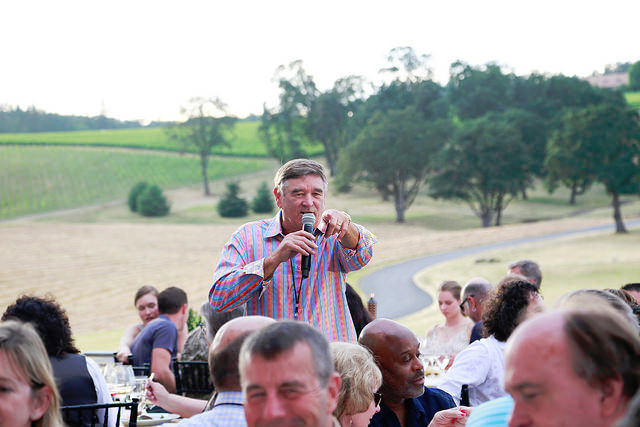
404	297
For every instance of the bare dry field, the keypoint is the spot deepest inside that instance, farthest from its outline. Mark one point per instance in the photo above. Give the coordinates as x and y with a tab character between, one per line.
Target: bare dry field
94	269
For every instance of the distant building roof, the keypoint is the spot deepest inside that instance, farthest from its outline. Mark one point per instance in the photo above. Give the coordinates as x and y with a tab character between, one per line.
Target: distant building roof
612	80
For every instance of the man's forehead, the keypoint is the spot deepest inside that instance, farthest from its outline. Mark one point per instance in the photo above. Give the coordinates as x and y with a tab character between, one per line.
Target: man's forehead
302	182
539	338
294	363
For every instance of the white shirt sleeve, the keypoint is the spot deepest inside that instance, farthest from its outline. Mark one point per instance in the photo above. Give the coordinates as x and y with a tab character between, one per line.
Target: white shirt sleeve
102	391
471	366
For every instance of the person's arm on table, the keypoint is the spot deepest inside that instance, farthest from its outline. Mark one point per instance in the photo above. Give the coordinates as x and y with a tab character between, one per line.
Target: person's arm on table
184	406
161	367
471	366
124	348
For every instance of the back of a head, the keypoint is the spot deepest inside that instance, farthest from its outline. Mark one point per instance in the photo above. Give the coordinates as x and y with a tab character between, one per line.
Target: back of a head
604	345
298	168
24	348
505	308
48	318
171	300
529	269
477	287
279	338
223	365
359	375
359	314
596	299
215	319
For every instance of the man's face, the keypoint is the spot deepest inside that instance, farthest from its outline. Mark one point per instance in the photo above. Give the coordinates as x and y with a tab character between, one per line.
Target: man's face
300	195
546	391
636	295
402	369
471	308
286	391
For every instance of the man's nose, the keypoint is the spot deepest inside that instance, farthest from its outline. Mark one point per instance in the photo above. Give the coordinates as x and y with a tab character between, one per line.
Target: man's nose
274	408
307	200
518	418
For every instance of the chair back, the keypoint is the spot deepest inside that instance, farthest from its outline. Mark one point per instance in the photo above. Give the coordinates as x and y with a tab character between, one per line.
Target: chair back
87	415
192	377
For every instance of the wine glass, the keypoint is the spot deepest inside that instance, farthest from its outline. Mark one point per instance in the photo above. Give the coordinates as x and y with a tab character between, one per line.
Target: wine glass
443	361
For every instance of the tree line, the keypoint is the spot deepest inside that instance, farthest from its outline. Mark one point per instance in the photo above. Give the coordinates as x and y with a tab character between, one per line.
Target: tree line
15	120
482	138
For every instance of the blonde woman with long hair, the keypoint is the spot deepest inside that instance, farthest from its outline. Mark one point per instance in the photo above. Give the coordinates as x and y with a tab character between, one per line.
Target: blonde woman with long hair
28	393
358	398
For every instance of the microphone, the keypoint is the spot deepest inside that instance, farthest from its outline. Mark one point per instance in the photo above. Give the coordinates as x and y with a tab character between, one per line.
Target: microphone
308	220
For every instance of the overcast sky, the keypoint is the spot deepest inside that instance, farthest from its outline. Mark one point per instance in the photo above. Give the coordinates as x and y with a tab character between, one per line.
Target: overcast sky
142	60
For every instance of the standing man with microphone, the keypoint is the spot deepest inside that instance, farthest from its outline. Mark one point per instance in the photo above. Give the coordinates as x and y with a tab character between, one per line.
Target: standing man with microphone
288	267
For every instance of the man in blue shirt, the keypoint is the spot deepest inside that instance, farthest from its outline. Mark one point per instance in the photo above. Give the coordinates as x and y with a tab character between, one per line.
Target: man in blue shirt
405	399
157	343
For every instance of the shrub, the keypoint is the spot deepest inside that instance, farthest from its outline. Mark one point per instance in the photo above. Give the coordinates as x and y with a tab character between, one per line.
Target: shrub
263	202
134	193
194	320
230	205
151	202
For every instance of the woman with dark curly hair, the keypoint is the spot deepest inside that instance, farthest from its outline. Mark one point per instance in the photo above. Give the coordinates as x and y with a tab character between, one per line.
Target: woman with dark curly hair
79	378
481	364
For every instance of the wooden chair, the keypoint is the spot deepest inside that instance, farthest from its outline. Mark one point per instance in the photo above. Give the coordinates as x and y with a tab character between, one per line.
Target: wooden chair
192	377
87	415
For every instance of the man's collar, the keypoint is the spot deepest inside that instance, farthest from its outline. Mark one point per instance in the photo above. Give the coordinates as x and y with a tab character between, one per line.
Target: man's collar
274	226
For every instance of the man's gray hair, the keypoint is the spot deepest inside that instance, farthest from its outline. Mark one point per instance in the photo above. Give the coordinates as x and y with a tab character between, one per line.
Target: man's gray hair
529	269
478	288
604	346
297	168
278	338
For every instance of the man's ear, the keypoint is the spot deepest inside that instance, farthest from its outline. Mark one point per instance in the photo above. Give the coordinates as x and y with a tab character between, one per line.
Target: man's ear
278	196
332	393
612	396
40	401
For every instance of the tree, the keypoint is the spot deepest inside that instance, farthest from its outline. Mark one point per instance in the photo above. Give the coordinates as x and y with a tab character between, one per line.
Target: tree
151	202
604	142
394	153
328	115
207	127
263	202
230	204
283	129
483	165
634	76
477	91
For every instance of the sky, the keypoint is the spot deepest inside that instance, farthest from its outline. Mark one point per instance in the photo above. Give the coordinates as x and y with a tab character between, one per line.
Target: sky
144	60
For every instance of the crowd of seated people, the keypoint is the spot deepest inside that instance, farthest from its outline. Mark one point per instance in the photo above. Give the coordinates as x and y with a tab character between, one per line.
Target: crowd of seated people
581	355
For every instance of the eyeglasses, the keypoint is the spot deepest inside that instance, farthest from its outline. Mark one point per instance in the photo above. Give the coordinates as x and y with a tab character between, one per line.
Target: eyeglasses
377	398
464	301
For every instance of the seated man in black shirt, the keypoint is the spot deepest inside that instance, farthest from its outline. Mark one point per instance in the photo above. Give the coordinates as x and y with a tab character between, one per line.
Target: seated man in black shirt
405	399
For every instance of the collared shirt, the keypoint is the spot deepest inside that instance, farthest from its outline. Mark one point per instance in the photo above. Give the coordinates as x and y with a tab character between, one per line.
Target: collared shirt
227	411
419	411
239	278
481	366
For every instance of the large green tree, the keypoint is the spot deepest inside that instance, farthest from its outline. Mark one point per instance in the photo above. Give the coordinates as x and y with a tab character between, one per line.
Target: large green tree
207	126
600	143
329	114
394	153
483	165
283	128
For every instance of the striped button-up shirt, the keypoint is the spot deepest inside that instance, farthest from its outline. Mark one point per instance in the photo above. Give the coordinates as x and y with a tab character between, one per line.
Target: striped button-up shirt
239	278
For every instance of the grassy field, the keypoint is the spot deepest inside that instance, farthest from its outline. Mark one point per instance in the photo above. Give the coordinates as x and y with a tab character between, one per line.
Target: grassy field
633	98
41	179
598	261
246	141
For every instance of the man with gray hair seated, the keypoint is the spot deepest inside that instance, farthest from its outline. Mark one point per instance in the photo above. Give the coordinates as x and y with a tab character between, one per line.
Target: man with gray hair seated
529	269
575	367
474	295
288	378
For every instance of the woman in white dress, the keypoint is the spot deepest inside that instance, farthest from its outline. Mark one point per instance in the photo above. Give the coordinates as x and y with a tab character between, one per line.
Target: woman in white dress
447	339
